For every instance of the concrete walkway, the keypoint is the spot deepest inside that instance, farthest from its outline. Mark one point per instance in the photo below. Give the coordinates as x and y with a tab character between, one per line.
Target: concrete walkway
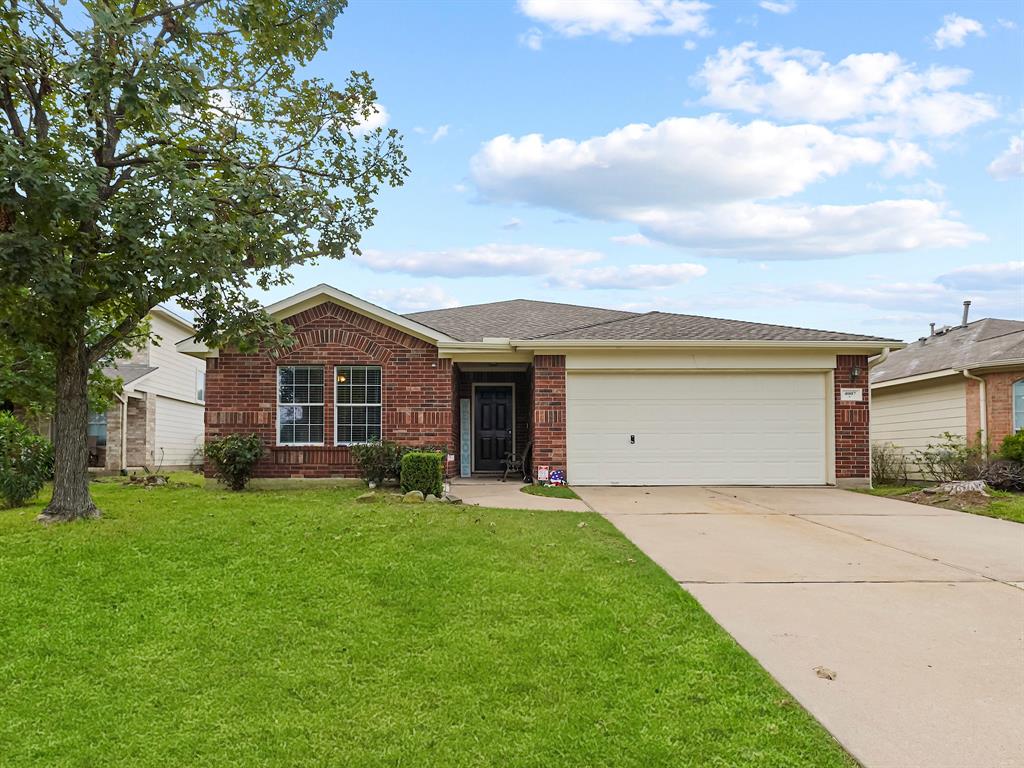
918	611
488	492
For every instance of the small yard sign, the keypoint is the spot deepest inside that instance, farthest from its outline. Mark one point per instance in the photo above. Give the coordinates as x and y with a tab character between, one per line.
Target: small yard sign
542	472
852	394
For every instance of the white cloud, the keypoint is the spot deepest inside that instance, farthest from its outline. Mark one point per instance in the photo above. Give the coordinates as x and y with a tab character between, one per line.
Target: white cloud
415	299
690	45
678	164
783	7
440	133
533	39
1010	162
619	20
491	260
513	223
905	158
702	183
635	239
629	277
1006	23
954	31
1008	275
870	92
378	117
753	230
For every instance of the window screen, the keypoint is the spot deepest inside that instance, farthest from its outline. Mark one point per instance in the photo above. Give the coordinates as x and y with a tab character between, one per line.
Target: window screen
357	400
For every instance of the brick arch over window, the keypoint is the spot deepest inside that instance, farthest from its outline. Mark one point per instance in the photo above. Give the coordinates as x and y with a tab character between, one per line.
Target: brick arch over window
341	338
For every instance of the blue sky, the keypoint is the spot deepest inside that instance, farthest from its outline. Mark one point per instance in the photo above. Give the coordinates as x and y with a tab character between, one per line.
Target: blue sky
852	166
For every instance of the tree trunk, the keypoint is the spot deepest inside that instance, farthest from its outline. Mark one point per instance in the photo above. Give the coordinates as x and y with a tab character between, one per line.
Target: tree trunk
71	499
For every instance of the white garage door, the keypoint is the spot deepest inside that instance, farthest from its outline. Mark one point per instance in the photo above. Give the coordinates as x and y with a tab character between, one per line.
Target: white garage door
179	432
696	428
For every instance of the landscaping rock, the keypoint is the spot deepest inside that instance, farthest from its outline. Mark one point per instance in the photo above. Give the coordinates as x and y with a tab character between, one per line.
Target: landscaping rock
963	486
451	498
413	497
366	497
432	499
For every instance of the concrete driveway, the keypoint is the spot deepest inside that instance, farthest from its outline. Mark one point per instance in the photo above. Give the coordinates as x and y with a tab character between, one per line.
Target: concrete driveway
918	611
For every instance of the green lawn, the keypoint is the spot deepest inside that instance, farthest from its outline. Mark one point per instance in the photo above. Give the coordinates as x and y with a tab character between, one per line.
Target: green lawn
194	627
551	491
1004	505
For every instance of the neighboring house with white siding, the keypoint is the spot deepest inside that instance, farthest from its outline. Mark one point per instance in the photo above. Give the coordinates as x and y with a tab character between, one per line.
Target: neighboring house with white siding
160	409
967	380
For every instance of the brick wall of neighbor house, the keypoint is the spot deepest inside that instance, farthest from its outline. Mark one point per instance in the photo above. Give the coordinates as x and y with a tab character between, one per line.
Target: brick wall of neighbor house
999	401
853	445
549	412
241	390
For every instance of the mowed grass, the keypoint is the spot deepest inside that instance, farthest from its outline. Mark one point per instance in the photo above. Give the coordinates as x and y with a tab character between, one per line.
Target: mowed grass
1004	505
551	491
194	627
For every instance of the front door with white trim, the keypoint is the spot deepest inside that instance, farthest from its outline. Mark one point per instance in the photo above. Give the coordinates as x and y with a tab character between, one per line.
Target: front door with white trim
493	425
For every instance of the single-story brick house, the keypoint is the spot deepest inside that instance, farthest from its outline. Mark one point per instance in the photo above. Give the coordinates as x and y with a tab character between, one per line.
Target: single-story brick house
612	397
967	380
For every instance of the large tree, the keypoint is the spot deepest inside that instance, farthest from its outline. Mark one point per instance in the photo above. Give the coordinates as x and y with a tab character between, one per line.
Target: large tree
169	148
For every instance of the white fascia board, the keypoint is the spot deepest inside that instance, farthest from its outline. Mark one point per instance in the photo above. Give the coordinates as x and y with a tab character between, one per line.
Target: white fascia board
194	348
842	347
323	292
174	317
914	379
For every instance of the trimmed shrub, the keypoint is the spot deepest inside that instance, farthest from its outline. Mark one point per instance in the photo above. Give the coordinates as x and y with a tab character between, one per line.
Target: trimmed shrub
1012	448
26	461
888	465
423	471
234	459
379	461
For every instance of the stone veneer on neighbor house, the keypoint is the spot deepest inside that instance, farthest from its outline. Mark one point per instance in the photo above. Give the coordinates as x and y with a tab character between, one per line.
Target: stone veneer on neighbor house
998	402
853	419
417	397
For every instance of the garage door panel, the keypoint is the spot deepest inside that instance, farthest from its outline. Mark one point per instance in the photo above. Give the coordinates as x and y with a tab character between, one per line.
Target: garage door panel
696	428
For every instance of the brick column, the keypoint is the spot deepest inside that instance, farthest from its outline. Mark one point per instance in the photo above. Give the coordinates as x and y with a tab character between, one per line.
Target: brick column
853	440
549	412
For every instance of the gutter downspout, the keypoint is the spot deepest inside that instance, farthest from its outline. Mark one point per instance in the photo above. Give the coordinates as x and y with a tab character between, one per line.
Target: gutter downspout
982	407
871	364
124	432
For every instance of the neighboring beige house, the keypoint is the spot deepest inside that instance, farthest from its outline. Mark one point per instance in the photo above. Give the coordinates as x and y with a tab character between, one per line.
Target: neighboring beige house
161	407
967	380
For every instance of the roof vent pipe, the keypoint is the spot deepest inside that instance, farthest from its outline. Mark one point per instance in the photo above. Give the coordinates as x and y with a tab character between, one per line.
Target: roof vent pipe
967	308
931	326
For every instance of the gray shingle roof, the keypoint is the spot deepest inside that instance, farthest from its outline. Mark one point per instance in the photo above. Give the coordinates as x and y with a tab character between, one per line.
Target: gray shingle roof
128	372
982	342
514	319
525	319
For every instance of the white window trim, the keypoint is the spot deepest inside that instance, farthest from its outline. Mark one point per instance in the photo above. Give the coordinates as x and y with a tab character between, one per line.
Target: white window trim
201	377
1018	418
278	404
337	405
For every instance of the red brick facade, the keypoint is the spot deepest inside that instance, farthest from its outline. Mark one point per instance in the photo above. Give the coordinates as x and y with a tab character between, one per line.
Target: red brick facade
853	445
241	390
549	412
999	402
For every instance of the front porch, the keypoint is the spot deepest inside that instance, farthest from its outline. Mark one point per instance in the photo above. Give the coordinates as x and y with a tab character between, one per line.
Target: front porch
504	407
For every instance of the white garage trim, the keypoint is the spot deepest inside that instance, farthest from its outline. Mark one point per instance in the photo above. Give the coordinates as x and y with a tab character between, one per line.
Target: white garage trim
699	428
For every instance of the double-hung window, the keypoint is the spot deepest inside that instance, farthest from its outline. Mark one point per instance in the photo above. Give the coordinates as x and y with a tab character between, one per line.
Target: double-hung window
300	405
357	402
1018	405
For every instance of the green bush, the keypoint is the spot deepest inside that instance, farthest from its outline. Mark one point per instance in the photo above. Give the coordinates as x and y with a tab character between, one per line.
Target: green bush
26	461
379	461
234	458
423	471
1012	448
952	459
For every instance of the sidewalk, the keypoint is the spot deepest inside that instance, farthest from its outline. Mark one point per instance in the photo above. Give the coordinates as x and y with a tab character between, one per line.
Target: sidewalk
491	492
